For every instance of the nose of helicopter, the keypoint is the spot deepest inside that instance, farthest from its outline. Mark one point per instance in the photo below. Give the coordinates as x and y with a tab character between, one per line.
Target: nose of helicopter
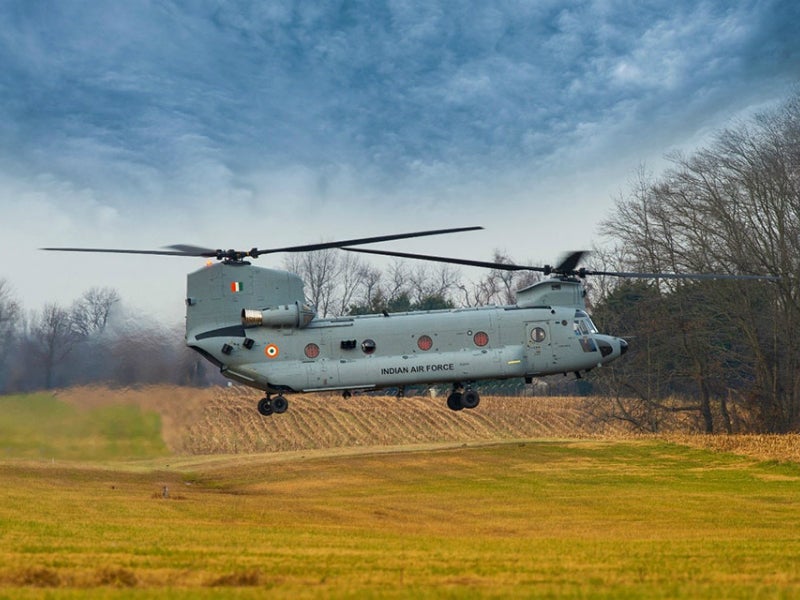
623	347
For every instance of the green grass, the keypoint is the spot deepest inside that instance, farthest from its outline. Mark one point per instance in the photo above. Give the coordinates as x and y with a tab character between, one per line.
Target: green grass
41	426
575	519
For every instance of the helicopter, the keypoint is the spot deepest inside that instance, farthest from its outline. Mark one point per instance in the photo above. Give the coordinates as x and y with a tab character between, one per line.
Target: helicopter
254	324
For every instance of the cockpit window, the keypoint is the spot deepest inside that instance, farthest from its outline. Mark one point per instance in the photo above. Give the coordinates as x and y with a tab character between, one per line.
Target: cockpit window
583	324
584	328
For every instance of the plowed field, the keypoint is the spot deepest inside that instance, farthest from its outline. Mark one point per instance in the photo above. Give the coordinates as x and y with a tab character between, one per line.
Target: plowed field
225	420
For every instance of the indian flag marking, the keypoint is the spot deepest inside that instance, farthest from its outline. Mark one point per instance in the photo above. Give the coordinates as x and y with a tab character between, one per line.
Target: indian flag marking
272	351
236	286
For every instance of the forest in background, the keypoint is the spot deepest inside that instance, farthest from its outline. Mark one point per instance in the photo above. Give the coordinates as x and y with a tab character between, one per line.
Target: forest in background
725	351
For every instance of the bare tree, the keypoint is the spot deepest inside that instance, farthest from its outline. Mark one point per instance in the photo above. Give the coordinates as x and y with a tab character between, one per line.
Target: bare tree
318	270
498	286
10	315
371	292
52	339
9	309
396	279
351	276
332	279
733	207
424	281
90	313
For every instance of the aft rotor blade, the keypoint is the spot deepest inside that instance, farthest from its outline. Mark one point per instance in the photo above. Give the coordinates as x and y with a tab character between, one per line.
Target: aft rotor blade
360	241
455	261
565	269
570	262
636	275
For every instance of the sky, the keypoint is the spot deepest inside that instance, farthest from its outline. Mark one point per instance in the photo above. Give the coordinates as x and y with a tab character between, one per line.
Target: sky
235	124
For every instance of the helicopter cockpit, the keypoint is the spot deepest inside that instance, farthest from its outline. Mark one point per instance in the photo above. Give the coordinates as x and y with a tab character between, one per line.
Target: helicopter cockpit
583	324
584	329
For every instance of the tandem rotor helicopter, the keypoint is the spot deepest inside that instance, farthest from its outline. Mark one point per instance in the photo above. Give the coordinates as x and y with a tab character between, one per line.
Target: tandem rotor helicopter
253	323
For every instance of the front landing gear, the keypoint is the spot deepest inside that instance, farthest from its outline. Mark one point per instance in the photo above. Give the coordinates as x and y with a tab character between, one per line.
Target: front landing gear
265	406
460	398
454	401
268	405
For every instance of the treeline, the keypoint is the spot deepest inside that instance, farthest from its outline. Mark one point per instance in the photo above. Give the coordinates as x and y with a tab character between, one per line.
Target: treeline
90	341
726	350
723	352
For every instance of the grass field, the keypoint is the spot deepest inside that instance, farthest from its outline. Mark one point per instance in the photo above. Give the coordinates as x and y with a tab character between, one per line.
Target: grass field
591	518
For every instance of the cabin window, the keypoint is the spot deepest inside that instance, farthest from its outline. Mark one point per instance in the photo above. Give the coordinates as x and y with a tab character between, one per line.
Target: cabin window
368	346
424	342
312	351
538	335
481	338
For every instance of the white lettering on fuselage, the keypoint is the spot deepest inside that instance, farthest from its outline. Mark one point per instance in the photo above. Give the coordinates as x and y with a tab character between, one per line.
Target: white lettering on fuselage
418	369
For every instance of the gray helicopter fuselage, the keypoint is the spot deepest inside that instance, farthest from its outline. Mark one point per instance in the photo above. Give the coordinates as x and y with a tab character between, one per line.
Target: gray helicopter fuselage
252	322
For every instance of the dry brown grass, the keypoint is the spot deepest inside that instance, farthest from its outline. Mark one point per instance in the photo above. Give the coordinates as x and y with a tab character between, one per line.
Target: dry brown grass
783	447
225	421
179	407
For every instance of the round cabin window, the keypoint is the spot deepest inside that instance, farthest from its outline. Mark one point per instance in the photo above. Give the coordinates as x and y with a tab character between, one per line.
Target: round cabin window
538	334
481	338
424	342
312	351
368	346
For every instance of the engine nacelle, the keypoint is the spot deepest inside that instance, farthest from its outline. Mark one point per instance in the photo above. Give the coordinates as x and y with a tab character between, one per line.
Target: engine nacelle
288	315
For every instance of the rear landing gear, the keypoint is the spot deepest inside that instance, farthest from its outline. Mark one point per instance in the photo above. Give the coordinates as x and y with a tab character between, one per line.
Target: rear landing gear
280	404
470	399
269	405
460	398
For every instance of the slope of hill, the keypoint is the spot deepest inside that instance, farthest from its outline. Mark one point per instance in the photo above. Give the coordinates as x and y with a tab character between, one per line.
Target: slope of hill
41	426
225	420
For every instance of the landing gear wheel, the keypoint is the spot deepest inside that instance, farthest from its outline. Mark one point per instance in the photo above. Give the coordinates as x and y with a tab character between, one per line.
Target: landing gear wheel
470	399
265	406
454	401
280	404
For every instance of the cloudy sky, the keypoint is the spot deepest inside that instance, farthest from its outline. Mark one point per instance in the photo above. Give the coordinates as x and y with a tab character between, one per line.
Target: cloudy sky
140	124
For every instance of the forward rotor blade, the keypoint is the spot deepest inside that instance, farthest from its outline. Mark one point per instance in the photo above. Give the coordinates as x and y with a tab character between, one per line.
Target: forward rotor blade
189	250
236	255
455	261
122	251
360	241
